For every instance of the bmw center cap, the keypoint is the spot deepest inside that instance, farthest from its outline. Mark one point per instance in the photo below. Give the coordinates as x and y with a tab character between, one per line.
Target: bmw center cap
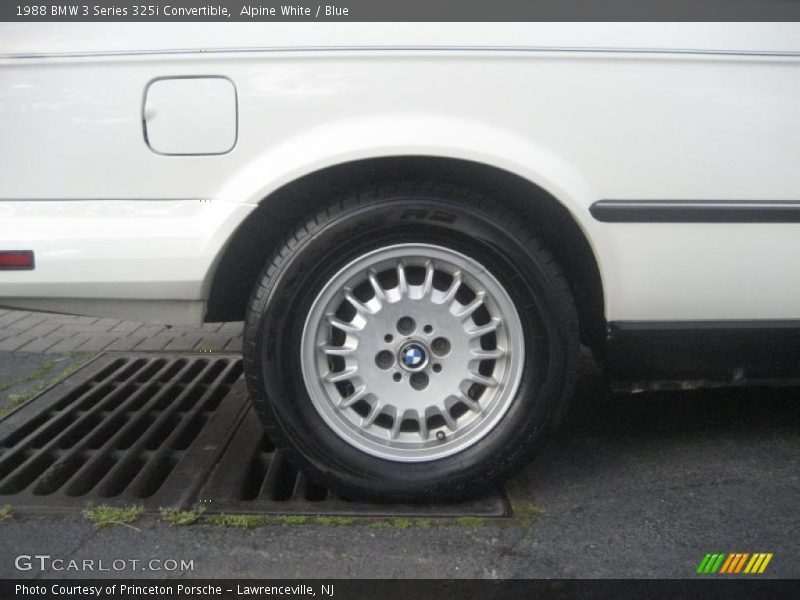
413	356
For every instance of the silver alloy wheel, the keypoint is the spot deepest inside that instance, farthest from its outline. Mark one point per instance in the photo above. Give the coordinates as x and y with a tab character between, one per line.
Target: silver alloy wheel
412	352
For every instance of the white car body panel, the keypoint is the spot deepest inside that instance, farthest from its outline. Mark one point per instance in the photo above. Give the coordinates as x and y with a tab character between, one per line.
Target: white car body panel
586	111
115	258
36	39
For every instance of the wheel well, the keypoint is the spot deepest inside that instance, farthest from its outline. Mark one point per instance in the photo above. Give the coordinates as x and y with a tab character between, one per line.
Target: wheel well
279	213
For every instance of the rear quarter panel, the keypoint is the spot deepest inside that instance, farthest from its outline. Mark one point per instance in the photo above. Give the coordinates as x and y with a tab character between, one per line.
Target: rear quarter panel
584	123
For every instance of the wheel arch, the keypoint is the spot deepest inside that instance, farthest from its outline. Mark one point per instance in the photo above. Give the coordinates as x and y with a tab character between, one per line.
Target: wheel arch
278	214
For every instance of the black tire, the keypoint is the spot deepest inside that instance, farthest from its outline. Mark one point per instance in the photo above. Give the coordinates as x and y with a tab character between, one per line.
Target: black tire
415	212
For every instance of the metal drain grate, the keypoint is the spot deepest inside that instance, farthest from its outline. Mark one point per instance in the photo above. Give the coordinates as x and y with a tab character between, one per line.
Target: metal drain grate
125	429
253	477
165	431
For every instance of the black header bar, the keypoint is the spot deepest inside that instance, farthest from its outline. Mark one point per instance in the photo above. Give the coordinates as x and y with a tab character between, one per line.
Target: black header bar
708	588
398	10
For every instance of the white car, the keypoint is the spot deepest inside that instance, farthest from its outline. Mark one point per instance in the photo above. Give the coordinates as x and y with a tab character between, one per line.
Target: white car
419	223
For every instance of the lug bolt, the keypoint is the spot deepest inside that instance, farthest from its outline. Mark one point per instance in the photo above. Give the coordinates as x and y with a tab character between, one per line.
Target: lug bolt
384	359
406	325
440	346
419	381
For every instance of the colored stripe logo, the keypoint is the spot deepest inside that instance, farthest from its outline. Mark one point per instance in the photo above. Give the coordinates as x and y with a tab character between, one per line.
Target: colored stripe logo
733	563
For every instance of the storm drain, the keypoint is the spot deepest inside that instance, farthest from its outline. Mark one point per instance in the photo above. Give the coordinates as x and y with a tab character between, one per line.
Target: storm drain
165	431
254	477
125	429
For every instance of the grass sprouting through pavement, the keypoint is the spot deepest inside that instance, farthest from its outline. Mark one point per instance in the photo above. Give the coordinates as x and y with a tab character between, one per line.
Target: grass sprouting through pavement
181	517
103	515
43	378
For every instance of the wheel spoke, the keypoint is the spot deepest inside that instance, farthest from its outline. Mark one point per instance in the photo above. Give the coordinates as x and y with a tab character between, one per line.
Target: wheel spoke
353	398
356	303
335	377
481	330
473	405
489	382
423	427
448	418
376	286
347	327
463	312
427	284
377	409
488	354
337	350
397	424
453	289
402	282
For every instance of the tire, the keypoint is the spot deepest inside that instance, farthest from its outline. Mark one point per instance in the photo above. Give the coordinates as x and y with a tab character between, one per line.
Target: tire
437	239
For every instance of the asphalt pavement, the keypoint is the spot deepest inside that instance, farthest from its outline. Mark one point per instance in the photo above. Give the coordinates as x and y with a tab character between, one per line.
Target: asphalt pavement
636	486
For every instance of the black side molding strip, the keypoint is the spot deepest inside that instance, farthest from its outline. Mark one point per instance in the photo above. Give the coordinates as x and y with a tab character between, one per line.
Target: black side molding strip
696	211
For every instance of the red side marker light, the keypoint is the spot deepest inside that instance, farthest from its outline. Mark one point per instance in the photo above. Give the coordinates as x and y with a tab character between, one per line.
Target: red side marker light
16	259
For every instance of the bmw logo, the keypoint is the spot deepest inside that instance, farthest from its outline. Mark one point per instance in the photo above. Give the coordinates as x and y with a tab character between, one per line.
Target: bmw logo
413	357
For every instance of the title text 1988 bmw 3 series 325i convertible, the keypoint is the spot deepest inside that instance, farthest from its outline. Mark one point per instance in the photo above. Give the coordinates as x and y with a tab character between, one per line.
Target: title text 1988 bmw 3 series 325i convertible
419	224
